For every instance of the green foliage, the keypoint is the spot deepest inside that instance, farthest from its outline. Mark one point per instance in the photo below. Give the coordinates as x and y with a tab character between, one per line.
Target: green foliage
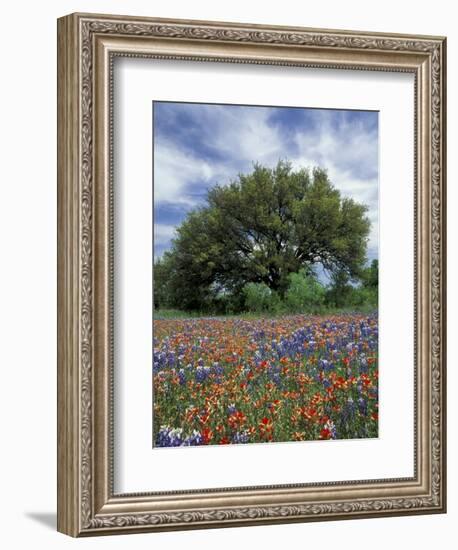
341	294
339	291
162	296
305	294
365	297
260	298
369	276
259	229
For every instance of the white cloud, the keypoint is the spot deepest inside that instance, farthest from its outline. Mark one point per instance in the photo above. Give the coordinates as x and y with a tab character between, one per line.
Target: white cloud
174	169
348	150
240	140
245	134
163	233
348	153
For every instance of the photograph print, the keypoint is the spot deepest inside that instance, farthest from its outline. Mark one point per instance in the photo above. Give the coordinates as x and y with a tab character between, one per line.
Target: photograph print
265	275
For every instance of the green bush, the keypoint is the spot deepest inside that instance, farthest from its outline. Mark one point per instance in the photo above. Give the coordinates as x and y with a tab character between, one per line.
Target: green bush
260	298
362	296
341	294
305	294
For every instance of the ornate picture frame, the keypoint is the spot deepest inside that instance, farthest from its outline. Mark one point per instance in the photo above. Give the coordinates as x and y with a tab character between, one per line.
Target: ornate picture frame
87	46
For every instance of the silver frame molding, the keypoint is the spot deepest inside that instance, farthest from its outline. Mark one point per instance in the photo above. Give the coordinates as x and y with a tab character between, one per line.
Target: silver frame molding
87	45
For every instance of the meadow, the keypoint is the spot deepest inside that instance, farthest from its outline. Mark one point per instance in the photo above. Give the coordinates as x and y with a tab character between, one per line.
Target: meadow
235	380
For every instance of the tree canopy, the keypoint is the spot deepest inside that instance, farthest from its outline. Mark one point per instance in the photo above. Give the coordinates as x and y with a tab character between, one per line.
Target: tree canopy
260	228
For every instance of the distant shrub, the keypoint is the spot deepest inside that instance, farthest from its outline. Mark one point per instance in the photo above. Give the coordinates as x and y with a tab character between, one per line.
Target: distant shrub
355	297
305	294
260	298
363	296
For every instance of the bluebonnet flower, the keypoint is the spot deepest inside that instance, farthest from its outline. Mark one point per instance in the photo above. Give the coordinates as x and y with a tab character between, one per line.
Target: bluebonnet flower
326	365
202	373
171	358
348	410
276	379
362	406
240	437
169	437
217	369
363	366
182	377
332	428
194	439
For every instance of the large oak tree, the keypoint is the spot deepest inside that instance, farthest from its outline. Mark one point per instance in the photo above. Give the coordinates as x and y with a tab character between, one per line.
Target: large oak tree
260	228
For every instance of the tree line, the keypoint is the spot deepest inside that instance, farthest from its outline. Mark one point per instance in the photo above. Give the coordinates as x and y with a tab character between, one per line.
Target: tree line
260	244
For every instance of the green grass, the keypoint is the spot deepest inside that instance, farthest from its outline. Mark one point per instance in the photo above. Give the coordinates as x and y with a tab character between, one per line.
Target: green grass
179	314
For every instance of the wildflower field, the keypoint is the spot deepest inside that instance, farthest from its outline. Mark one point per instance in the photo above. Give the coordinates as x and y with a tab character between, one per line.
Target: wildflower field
240	380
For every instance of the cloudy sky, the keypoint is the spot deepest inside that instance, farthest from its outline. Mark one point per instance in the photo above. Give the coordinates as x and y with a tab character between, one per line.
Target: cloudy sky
198	145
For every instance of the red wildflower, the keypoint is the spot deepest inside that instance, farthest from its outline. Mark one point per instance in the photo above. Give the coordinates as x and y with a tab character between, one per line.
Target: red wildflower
204	418
236	419
265	428
207	436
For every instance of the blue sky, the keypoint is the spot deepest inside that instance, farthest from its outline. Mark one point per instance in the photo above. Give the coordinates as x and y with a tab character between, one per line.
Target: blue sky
199	145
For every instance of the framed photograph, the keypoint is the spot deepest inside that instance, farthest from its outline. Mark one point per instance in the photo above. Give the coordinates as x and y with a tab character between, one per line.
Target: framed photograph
251	276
